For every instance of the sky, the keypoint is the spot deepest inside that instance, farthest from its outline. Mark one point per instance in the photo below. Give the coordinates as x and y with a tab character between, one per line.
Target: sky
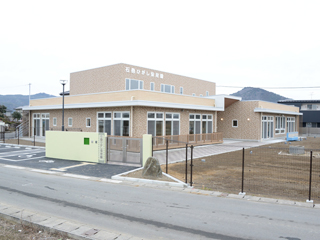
273	45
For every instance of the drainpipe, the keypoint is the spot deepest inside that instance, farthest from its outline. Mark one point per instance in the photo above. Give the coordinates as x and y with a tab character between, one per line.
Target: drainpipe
131	117
215	122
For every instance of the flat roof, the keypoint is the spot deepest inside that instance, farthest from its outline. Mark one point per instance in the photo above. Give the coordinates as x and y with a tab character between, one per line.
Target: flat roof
299	101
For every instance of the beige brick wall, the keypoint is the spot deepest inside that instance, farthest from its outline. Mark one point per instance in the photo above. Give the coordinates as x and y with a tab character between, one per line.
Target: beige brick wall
241	111
139	118
124	96
112	78
248	129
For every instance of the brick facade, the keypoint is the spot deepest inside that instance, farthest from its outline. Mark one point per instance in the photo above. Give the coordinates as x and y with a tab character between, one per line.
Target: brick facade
112	78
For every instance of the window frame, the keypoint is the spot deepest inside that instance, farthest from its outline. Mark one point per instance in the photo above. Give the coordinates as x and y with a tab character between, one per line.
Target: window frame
235	121
280	125
104	118
155	119
163	88
181	90
70	118
121	119
128	88
88	126
54	121
172	119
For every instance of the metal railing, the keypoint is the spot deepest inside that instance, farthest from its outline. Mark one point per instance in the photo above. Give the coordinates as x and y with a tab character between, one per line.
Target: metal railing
176	141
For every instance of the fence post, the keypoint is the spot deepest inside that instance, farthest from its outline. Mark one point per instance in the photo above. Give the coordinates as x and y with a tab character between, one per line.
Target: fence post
166	156
152	145
242	178
191	165
18	134
186	163
310	178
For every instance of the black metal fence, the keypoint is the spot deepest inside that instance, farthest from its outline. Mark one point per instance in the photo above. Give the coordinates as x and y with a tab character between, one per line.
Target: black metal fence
288	172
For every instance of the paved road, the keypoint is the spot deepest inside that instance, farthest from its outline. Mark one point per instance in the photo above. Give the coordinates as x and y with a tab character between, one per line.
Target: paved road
155	213
34	157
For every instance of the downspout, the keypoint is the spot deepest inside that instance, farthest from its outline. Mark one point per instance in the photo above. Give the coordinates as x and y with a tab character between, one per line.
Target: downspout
131	116
215	122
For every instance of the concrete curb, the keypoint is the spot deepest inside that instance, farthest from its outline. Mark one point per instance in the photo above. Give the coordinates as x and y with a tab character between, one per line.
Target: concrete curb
177	182
71	229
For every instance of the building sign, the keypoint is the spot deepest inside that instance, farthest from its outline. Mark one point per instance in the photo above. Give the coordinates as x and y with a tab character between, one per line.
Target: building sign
144	72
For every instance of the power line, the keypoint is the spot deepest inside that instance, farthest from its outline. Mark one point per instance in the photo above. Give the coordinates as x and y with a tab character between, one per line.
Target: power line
271	87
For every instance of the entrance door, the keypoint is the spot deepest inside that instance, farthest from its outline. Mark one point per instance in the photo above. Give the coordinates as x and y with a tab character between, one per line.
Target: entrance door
41	124
267	127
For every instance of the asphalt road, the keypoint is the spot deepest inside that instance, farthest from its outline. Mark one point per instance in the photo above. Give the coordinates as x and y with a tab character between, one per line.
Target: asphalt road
155	213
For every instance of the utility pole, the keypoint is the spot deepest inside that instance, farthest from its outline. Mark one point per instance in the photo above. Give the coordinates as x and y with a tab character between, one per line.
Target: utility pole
29	93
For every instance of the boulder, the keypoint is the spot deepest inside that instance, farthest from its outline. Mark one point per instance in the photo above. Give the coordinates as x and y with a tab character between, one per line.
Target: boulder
152	168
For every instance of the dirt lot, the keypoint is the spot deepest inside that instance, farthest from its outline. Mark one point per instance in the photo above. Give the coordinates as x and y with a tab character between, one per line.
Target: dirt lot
268	171
15	230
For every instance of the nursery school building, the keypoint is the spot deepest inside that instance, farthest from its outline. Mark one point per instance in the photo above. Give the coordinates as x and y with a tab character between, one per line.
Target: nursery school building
127	100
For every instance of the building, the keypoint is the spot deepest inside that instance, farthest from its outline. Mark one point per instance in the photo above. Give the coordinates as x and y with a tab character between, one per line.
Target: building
310	122
126	100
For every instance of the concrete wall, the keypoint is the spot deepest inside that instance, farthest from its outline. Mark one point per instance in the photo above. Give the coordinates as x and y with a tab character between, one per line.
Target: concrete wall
70	146
112	78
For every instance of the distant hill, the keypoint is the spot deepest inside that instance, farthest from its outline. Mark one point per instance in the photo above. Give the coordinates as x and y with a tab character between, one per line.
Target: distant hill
250	93
14	101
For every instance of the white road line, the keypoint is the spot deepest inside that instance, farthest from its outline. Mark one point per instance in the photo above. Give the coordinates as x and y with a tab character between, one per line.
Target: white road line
20	160
109	180
75	176
16	167
43	171
15	153
79	165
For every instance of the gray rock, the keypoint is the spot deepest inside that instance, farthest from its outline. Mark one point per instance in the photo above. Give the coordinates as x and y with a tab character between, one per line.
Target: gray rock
152	168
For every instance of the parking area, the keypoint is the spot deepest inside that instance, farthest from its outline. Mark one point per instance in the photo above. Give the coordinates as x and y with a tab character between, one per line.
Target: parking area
34	157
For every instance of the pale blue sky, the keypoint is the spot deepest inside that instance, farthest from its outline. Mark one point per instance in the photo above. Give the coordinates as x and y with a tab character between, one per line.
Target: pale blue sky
232	43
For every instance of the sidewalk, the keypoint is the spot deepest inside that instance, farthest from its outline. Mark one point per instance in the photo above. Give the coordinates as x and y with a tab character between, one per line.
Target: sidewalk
178	155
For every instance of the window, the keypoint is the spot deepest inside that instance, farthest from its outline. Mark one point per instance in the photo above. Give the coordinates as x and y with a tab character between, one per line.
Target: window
235	123
193	94
54	121
280	125
172	123
207	93
121	123
181	90
132	84
167	88
69	122
104	122
194	123
291	126
155	123
207	123
152	86
88	122
201	95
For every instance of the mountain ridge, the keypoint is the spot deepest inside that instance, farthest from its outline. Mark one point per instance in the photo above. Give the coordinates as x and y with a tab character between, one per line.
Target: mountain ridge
12	101
251	93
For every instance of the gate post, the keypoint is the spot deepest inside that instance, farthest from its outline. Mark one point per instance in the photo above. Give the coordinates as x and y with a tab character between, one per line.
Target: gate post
146	147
